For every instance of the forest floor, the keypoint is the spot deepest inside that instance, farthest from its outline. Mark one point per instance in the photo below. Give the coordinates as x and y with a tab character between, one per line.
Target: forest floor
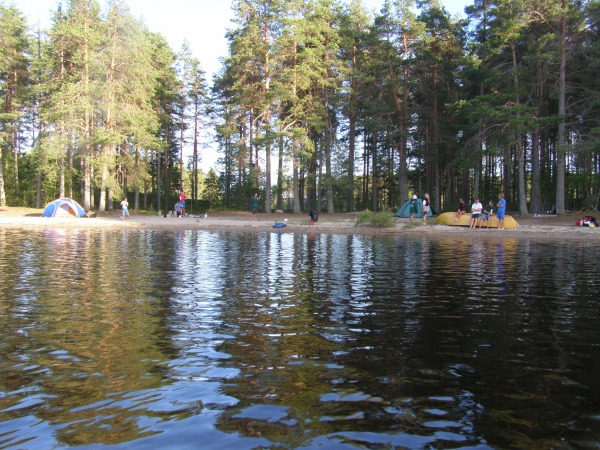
545	226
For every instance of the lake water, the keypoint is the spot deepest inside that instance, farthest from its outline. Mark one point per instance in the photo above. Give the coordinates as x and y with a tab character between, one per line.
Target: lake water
218	340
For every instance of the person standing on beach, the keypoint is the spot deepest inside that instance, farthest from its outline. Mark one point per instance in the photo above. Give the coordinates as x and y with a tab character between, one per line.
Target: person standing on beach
124	209
501	205
476	208
182	199
254	205
413	207
425	207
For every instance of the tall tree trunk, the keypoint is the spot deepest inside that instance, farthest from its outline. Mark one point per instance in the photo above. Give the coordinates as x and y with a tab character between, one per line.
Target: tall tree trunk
522	189
167	173
136	200
352	135
536	202
38	126
280	176
87	179
158	182
195	156
252	162
146	158
2	191
87	117
479	159
375	171
434	141
328	173
268	163
181	141
267	114
402	164
295	180
61	177
70	167
537	205
103	180
402	108
317	164
365	187
519	139
351	153
561	137
15	147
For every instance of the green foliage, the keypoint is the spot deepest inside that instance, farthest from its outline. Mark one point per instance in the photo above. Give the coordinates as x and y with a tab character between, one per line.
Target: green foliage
383	219
211	193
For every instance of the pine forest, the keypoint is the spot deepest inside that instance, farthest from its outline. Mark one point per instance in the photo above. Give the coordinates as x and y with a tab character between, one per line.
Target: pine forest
318	105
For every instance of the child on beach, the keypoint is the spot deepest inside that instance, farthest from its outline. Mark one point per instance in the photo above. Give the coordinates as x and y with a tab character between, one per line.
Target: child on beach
462	208
124	209
425	207
488	212
501	205
476	209
413	207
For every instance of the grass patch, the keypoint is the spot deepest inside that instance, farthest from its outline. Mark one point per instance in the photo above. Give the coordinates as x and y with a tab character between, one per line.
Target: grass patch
384	219
414	224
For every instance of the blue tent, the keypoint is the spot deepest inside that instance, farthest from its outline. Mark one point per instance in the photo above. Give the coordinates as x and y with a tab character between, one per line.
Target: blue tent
62	207
404	210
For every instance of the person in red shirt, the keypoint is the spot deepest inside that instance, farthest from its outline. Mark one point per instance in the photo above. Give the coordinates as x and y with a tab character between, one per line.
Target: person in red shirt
182	199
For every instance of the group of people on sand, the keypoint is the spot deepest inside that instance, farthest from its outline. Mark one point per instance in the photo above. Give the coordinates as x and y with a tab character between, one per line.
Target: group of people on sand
480	213
414	207
179	206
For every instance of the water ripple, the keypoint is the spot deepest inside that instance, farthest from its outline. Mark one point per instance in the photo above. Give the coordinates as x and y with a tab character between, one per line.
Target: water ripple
161	338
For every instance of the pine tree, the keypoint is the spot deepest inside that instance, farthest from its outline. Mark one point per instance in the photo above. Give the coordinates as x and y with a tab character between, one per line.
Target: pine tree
14	84
76	87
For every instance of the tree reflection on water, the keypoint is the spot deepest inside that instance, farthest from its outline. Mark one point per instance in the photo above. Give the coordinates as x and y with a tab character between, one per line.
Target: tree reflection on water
155	338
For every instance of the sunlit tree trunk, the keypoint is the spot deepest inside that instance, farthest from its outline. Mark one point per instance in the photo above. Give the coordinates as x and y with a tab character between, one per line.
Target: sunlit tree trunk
2	191
295	181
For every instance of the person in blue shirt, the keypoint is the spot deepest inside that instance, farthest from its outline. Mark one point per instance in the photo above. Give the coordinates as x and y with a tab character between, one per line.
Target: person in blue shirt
501	205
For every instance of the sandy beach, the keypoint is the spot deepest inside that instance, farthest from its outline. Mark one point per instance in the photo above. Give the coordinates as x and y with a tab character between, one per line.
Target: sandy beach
552	227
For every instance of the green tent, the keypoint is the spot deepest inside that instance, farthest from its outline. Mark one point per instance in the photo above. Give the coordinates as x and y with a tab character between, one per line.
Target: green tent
404	210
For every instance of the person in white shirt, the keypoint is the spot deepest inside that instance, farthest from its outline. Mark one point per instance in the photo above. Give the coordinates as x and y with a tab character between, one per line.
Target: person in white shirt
124	209
425	207
476	209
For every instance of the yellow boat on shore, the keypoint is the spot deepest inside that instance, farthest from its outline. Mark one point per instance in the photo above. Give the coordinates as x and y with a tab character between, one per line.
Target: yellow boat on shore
465	221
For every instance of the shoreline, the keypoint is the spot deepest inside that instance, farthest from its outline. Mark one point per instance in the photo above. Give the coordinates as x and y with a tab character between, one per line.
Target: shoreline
543	227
